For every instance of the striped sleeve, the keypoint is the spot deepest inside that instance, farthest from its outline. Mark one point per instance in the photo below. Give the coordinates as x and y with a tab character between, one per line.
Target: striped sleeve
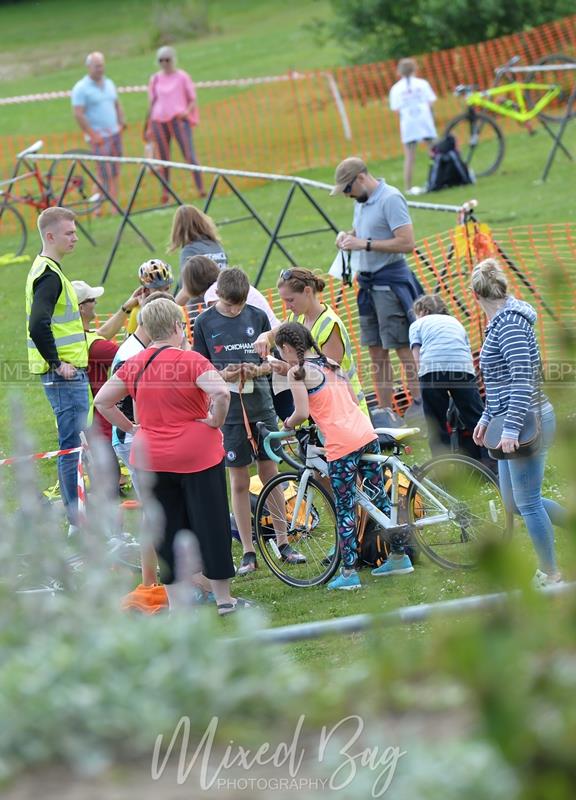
515	349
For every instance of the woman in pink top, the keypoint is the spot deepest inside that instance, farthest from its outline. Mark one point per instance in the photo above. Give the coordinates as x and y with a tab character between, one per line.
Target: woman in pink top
321	390
173	113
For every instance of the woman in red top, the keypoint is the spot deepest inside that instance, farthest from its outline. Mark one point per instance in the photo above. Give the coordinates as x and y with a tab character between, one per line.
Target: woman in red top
181	401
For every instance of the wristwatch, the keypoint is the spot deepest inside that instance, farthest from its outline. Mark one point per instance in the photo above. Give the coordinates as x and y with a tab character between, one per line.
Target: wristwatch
124	309
368	244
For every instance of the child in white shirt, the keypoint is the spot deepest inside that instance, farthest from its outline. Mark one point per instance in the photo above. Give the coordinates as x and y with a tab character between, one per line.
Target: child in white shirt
412	98
443	357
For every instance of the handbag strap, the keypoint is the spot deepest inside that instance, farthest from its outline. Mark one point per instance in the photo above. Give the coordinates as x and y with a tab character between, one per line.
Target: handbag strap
154	355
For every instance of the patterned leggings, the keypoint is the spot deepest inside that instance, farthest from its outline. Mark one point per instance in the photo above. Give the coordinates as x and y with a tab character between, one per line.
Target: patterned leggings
181	130
343	473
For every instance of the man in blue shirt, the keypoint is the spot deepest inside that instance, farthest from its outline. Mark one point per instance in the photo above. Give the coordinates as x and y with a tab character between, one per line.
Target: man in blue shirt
99	114
382	235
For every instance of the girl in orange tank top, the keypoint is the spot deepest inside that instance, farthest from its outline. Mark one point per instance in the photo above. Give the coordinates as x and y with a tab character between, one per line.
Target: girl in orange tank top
322	391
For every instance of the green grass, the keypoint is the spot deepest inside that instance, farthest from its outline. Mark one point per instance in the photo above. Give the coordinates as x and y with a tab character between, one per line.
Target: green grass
499	203
255	38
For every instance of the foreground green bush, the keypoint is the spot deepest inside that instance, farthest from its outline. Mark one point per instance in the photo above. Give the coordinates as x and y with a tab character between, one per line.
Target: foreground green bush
473	707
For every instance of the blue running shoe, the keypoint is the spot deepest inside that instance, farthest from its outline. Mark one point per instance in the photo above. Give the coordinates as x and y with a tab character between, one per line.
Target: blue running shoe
351	581
394	566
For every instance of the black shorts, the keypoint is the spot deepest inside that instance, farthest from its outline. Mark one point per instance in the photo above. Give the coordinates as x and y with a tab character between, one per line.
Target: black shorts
238	449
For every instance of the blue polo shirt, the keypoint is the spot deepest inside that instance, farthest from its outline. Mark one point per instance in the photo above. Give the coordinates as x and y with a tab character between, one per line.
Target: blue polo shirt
383	212
99	103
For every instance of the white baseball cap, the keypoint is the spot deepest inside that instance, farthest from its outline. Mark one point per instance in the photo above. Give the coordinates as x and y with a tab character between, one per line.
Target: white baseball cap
86	292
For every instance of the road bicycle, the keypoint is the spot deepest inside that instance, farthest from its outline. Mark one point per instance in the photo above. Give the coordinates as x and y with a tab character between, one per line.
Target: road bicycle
58	186
450	507
478	135
120	551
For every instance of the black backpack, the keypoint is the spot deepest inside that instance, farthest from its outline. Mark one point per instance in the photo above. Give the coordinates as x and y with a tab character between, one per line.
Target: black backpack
447	168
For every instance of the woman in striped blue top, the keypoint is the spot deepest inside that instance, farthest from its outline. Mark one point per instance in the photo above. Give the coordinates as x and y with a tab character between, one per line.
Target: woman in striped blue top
510	364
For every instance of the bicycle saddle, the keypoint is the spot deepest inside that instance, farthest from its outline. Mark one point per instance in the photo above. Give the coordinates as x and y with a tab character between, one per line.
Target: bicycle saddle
390	437
32	149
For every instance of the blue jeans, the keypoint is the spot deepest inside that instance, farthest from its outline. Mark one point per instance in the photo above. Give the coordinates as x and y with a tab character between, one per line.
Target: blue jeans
70	402
521	487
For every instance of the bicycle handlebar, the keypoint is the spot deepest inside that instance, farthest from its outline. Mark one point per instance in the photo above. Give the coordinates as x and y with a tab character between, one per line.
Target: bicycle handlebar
505	67
277	436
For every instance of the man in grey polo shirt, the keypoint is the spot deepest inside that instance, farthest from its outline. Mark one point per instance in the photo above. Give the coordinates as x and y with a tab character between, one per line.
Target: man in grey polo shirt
382	234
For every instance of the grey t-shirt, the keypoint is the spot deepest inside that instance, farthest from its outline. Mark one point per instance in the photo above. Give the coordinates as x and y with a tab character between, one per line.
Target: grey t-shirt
444	345
377	218
204	247
230	340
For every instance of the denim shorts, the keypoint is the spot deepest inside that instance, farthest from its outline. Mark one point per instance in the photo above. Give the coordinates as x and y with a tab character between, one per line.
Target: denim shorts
387	326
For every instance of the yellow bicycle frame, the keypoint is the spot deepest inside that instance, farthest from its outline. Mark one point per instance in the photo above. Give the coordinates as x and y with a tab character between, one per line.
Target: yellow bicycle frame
514	105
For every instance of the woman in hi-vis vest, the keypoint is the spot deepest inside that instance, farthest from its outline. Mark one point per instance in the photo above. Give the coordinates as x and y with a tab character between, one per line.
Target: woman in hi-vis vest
299	290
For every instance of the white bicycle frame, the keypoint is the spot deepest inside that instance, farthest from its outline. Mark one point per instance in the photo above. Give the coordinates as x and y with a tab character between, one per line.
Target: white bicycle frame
316	463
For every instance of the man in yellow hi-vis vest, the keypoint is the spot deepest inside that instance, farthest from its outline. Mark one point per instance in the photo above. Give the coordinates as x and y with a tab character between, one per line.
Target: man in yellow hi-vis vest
57	349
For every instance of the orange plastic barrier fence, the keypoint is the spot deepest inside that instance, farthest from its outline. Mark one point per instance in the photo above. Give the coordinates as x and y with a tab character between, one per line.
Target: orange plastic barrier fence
294	124
538	260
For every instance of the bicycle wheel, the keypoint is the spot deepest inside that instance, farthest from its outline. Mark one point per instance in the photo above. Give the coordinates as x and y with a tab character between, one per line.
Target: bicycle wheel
13	230
556	111
124	550
82	195
313	533
470	493
479	140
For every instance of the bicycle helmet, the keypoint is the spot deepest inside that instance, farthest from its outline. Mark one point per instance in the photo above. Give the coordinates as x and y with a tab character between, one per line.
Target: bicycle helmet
155	274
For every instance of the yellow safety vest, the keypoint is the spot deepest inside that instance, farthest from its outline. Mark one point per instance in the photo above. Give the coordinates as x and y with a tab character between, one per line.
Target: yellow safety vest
66	324
321	331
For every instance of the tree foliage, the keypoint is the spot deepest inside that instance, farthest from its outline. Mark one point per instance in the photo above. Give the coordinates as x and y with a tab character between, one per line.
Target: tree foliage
373	30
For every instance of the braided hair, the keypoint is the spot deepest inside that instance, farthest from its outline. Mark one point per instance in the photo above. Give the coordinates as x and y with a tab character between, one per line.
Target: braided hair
299	337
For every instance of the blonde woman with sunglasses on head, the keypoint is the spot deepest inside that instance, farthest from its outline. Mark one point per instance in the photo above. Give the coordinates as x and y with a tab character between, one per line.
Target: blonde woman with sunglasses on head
300	291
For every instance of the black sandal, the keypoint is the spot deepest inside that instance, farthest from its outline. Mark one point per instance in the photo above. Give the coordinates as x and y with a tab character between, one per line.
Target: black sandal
230	608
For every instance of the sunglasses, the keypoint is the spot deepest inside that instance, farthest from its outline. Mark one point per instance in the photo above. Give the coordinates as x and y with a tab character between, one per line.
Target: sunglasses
162	60
89	300
348	188
286	274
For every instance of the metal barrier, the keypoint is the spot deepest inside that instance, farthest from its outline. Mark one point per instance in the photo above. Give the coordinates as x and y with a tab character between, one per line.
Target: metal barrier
407	615
302	186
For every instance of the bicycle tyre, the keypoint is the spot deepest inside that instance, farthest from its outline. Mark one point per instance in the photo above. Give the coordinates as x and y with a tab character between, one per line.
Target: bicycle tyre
479	513
125	551
480	141
319	544
12	228
82	196
564	78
